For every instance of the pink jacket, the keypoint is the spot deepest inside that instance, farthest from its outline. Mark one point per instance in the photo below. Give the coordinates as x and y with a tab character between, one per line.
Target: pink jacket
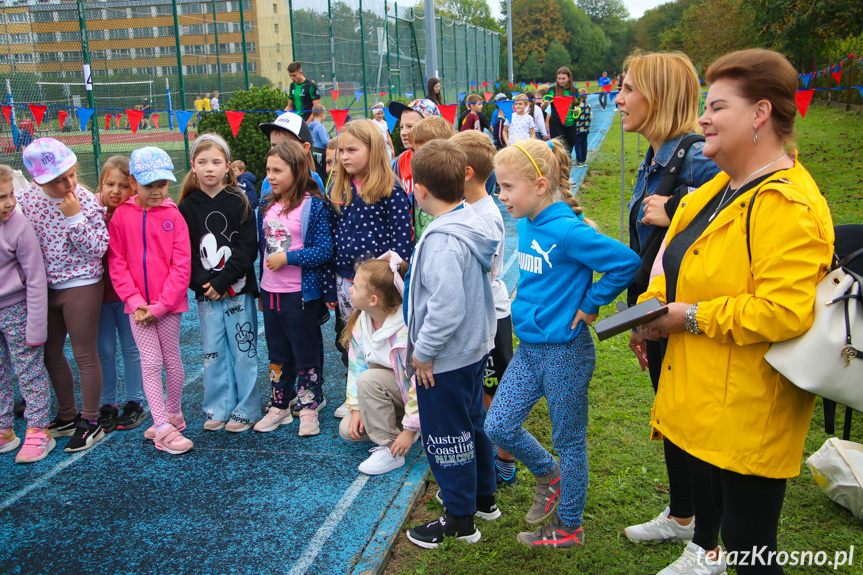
149	257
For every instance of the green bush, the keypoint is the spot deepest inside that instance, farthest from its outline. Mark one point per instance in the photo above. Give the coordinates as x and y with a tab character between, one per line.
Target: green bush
250	145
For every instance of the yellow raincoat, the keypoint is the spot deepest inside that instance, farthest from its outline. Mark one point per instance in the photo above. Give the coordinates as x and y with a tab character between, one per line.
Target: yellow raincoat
718	399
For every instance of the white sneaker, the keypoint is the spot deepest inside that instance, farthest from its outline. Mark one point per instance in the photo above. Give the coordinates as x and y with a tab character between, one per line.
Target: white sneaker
660	529
342	411
381	461
694	561
274	418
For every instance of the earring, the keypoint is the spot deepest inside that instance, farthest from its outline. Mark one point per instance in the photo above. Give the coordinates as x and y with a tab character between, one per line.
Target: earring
755	139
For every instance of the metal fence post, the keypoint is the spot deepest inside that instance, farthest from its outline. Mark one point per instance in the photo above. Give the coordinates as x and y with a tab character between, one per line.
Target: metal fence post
218	58
332	45
245	50
363	48
466	59
88	83
180	74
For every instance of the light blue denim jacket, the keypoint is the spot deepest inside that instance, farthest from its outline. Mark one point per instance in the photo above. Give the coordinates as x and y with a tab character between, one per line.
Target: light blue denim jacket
697	170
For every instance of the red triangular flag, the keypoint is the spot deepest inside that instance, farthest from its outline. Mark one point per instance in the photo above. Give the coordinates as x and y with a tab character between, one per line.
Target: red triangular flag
7	113
335	94
107	121
487	96
117	120
382	94
510	86
134	118
38	113
448	111
485	85
837	75
562	104
156	120
234	120
587	85
339	117
804	98
62	115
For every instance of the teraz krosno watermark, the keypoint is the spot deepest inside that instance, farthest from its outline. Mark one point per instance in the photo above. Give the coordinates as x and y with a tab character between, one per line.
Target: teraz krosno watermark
760	556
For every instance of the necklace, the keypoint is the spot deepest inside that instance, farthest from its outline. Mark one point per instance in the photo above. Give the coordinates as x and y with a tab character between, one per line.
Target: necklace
746	181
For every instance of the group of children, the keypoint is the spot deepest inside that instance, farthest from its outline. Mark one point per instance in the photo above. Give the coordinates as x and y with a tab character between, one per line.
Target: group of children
379	245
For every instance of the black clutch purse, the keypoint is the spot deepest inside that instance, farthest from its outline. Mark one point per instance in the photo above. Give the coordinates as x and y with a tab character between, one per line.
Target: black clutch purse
629	318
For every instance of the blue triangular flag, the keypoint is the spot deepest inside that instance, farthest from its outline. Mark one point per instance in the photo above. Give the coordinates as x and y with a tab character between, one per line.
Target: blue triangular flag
506	107
409	95
84	115
391	120
358	94
861	91
497	84
461	97
805	78
183	118
522	86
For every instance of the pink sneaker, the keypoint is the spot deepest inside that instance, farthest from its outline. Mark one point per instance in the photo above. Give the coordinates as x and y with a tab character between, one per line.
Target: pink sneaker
309	423
175	419
8	440
38	443
172	441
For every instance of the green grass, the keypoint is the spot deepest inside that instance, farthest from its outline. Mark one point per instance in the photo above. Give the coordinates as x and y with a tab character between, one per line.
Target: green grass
628	482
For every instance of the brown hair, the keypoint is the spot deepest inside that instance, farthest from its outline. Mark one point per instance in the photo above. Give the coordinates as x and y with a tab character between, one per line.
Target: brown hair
762	75
558	91
552	161
440	166
190	182
6	173
478	150
113	163
333	144
295	67
669	84
430	128
319	110
531	95
239	165
381	284
430	93
473	99
379	180
295	156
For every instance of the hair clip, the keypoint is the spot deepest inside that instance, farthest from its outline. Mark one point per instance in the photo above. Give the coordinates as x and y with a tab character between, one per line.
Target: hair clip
580	216
550	143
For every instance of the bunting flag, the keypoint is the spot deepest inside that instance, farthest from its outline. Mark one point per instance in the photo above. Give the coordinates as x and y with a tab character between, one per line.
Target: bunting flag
838	74
461	97
335	94
806	78
510	85
107	121
38	113
382	94
606	88
84	115
448	111
62	115
7	113
117	120
587	85
183	118
339	117
506	107
485	84
156	120
487	96
562	104
358	94
522	86
409	95
234	120
803	98
391	120
861	91
134	119
497	84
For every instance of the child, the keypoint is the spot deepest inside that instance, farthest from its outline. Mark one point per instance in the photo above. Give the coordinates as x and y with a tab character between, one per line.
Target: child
558	255
372	211
290	127
582	129
246	182
381	397
320	136
409	116
23	329
214	101
380	119
150	261
295	243
426	130
522	125
71	229
479	121
451	325
332	153
480	162
222	227
535	111
114	191
500	127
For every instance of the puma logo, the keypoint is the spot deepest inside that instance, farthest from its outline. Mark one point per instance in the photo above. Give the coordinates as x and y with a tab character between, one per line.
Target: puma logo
535	247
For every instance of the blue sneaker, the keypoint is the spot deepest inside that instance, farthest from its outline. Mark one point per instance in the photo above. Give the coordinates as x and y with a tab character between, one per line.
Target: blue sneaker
502	478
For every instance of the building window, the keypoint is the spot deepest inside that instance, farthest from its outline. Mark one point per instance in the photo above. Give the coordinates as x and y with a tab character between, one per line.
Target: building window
192	8
96	34
142	32
43	17
250	47
40	37
276	26
16	17
99	55
250	27
164	10
278	66
122	53
20	39
118	34
275	8
93	14
70	36
278	48
27	58
164	31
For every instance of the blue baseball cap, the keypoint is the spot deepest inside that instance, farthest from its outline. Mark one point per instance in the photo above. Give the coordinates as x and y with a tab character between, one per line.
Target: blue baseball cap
151	164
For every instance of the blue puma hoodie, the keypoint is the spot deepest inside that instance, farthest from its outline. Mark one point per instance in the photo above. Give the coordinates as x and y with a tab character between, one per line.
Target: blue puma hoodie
557	255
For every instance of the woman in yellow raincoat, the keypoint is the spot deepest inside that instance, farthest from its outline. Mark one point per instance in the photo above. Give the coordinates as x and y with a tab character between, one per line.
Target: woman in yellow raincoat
743	256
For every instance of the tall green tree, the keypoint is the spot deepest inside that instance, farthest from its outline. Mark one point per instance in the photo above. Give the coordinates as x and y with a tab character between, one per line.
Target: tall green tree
475	12
601	10
555	57
531	69
587	43
712	28
535	24
658	29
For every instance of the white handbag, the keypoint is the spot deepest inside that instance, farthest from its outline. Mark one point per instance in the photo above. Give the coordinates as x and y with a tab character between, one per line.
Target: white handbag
827	360
838	469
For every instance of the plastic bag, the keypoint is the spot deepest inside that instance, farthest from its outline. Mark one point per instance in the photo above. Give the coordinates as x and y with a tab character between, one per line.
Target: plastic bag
838	468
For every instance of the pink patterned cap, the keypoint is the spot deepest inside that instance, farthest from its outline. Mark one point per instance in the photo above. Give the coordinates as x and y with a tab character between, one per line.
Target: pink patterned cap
47	159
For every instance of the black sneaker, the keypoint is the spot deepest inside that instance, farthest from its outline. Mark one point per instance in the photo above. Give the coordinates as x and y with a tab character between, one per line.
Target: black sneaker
20	406
486	507
133	416
108	418
63	428
86	436
431	535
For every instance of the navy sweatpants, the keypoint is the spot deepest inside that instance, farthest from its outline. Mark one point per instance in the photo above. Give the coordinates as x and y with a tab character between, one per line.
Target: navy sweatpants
459	452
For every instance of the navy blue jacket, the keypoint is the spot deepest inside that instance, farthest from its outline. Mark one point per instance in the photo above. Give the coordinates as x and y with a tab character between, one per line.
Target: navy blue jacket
246	181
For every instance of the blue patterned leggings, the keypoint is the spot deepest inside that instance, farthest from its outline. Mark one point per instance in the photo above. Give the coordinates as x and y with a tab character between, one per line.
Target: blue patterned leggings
27	363
561	373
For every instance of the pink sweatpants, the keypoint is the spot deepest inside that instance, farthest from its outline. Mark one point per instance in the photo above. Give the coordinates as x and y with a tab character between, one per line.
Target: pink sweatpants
159	345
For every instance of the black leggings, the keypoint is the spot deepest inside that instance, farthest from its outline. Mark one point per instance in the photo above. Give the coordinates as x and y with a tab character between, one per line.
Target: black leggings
745	507
555	130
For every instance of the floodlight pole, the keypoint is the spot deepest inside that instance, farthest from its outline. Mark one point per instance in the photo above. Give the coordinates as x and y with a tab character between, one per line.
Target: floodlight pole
431	47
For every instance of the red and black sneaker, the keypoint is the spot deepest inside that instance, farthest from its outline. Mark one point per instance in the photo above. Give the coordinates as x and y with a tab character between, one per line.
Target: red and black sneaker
546	499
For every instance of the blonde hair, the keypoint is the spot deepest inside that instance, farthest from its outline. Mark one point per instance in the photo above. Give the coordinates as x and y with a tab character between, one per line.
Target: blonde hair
431	128
669	84
113	163
379	180
190	182
479	151
532	159
381	284
6	174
